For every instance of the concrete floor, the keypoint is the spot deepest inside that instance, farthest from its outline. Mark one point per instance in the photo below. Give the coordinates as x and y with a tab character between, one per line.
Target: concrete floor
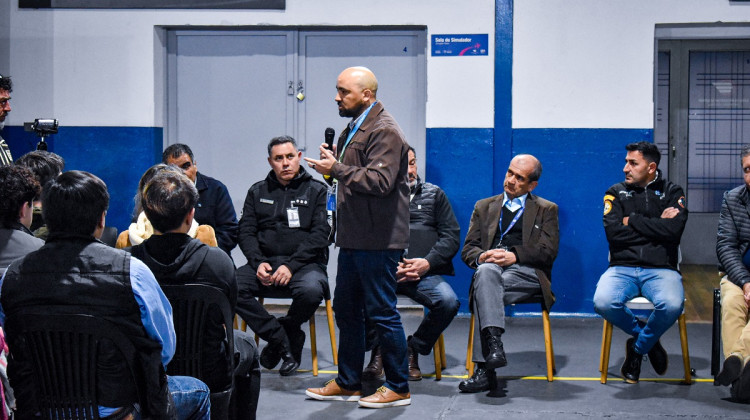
523	391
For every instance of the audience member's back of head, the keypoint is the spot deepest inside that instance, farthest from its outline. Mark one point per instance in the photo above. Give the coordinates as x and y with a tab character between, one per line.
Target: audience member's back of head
145	178
167	199
45	165
18	186
74	203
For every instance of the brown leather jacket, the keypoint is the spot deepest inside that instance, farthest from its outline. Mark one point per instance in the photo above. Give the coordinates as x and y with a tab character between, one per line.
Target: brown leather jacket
373	196
541	237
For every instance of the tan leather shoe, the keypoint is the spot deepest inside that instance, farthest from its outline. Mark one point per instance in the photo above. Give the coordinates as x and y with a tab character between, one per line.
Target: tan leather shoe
385	397
333	392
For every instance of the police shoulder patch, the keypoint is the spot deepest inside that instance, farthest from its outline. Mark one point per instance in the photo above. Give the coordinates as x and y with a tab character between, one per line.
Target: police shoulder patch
681	201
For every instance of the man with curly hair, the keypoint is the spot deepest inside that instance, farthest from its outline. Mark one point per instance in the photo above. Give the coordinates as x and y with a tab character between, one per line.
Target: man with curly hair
18	188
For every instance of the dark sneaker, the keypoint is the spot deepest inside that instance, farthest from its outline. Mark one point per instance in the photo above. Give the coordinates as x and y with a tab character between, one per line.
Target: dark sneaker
631	368
374	369
482	380
658	358
730	370
494	354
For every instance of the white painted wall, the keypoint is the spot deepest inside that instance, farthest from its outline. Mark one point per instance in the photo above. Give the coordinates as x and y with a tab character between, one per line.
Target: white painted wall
97	68
590	63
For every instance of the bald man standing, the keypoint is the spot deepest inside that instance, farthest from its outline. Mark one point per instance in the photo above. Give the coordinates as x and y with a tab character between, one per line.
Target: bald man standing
512	242
368	169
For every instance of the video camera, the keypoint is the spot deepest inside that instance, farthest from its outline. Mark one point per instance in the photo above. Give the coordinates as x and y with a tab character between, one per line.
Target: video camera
43	127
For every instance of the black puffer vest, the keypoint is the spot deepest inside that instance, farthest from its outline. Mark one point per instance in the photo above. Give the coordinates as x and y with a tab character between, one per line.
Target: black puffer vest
79	275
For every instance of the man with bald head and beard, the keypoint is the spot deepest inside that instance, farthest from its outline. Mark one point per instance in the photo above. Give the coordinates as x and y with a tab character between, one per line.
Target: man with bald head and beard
368	170
512	242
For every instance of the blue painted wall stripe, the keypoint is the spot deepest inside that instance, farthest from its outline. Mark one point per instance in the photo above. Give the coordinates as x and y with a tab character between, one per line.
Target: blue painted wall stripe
118	155
578	167
503	88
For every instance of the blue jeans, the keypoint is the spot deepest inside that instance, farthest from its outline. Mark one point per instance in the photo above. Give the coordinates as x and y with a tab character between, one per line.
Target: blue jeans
366	290
190	395
435	294
661	286
191	398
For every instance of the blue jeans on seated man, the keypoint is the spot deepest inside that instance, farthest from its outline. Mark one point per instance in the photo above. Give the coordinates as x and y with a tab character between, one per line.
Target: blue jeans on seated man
661	286
366	290
190	395
435	294
441	302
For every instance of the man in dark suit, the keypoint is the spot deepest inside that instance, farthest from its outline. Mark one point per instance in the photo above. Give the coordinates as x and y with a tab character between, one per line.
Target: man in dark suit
512	242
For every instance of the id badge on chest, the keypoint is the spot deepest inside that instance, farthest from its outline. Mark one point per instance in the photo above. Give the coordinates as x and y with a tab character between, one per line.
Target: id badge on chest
331	199
292	216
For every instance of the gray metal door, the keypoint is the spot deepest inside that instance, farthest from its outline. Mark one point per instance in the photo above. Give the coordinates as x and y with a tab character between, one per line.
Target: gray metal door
398	61
230	92
702	127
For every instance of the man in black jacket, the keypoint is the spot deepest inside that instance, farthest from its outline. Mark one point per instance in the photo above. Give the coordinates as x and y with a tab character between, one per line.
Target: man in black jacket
284	234
732	245
214	206
644	218
176	259
433	242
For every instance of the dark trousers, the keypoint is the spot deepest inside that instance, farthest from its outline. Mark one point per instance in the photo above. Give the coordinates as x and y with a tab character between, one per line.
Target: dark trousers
246	377
366	290
305	288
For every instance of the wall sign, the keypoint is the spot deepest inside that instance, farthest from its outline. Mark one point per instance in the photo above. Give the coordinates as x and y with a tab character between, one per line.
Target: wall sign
459	44
152	4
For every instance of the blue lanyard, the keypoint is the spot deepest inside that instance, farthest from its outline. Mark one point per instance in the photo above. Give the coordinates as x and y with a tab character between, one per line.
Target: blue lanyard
512	222
355	128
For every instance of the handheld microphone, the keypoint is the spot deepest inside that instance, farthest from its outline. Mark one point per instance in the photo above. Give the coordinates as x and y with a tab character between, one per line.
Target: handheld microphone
330	134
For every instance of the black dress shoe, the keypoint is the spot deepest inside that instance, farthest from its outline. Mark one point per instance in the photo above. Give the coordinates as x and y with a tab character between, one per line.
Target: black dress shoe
374	369
493	352
270	356
730	370
631	368
658	358
482	380
289	365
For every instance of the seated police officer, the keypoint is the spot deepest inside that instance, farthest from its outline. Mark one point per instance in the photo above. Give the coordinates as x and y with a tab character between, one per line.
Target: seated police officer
284	234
